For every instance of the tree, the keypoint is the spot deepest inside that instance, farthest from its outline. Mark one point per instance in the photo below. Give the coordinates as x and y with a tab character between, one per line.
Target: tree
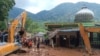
30	25
2	25
5	6
33	26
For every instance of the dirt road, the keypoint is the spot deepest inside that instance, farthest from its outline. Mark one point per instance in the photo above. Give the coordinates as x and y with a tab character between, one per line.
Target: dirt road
48	51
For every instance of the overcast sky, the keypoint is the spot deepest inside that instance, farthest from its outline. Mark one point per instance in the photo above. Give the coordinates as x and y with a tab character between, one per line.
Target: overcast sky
36	6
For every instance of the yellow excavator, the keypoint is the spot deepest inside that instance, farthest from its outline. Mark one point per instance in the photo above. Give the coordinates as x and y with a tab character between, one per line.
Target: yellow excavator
84	33
11	45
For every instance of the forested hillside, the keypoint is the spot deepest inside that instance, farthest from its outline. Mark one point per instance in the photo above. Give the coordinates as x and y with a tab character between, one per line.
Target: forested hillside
64	12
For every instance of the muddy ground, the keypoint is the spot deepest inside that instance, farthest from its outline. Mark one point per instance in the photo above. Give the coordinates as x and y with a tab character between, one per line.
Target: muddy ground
58	51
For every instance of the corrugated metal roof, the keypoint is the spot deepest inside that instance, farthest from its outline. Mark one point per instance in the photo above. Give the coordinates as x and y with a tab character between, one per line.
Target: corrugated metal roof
69	30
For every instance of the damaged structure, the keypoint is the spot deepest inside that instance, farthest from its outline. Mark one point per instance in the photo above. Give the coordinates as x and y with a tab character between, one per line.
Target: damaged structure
68	34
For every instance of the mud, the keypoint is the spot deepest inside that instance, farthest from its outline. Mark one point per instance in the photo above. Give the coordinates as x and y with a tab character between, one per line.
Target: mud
58	51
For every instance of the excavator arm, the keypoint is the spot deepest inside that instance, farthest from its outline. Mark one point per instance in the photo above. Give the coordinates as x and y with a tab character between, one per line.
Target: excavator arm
11	46
85	37
14	24
12	30
92	29
84	33
23	19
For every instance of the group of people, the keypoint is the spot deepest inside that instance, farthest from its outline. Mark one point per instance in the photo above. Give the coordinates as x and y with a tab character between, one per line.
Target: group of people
21	38
25	41
4	35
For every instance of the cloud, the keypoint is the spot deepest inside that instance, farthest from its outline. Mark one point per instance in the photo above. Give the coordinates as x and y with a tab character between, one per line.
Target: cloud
21	3
36	6
33	9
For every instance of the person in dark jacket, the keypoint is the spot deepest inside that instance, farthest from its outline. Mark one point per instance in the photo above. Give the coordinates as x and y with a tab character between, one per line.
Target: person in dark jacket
4	36
17	38
21	32
34	40
0	35
38	42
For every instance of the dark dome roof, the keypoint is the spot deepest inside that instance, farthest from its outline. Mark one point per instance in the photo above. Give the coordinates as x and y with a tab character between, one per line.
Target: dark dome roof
84	15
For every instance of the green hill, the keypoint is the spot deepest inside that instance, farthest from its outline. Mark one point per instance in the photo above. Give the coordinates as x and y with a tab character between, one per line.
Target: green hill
64	12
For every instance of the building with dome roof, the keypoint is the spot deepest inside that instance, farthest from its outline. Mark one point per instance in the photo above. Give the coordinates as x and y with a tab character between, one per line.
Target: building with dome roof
84	15
68	34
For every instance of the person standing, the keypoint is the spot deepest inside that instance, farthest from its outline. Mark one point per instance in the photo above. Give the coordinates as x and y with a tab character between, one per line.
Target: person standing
34	40
38	42
5	36
0	36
